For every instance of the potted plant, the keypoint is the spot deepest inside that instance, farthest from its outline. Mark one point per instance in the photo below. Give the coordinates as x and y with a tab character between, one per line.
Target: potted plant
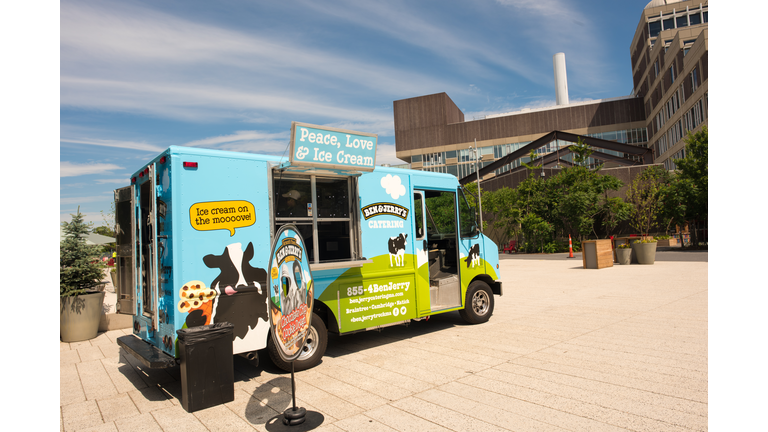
624	254
80	274
644	195
645	250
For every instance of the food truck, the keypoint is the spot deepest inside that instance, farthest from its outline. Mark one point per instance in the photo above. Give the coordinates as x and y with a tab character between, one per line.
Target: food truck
385	245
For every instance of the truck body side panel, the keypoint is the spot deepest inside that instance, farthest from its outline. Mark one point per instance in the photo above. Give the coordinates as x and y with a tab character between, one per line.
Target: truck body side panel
384	290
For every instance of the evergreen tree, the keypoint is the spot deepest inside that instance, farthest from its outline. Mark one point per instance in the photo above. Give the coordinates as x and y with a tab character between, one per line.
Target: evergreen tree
79	265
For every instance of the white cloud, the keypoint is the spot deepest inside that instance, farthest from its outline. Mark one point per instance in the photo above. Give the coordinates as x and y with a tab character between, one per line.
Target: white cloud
401	22
69	169
246	141
127	58
386	154
112	181
132	145
94	217
192	101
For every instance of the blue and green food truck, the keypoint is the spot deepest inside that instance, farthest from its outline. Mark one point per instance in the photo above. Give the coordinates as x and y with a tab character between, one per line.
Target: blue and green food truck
385	245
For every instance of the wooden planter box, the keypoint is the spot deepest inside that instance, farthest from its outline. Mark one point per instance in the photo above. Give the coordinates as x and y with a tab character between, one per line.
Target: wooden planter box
597	254
667	243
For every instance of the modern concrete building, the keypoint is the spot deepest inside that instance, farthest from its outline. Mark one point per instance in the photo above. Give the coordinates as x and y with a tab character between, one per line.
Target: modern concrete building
669	64
669	68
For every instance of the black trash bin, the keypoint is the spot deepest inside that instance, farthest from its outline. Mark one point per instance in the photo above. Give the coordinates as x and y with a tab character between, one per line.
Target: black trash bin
207	371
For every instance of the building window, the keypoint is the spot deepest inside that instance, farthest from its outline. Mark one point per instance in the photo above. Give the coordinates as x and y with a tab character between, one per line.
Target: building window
669	24
694	79
656	69
695	19
416	158
654	28
682	21
672	74
705	16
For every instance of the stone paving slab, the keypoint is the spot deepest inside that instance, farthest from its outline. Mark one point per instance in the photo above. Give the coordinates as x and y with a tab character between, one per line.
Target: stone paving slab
618	349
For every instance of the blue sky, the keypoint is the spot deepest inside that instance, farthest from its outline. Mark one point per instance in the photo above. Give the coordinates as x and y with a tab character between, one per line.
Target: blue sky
137	77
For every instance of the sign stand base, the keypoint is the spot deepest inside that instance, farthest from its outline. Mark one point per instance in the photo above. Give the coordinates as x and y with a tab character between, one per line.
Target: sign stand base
293	416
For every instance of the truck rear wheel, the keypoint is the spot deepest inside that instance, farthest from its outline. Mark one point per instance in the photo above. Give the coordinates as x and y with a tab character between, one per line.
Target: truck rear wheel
311	354
478	306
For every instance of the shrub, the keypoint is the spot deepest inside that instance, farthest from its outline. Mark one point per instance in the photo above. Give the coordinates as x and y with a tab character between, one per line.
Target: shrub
79	264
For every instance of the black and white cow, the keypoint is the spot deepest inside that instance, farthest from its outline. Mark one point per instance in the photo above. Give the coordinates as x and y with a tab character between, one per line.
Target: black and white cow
474	255
397	250
249	283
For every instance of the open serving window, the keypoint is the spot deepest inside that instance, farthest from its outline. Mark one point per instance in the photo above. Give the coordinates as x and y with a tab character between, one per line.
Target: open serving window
324	209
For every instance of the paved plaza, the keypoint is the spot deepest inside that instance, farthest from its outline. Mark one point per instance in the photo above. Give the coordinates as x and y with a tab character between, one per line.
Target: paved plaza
567	349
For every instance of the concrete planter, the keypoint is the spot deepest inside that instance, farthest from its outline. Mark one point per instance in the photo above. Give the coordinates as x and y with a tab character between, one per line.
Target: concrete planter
645	252
624	256
80	316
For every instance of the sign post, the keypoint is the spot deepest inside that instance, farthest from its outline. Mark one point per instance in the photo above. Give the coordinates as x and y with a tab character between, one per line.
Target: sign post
291	293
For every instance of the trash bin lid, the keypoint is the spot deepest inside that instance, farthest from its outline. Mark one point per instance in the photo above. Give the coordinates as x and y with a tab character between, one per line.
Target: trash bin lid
205	333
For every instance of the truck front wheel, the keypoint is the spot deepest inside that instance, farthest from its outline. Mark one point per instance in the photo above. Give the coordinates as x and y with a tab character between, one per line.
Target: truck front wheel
311	354
478	306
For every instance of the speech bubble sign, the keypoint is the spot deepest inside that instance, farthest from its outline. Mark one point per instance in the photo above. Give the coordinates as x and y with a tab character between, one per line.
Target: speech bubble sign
222	215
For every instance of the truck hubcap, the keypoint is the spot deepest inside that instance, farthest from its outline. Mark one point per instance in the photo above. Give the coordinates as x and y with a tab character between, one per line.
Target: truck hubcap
480	302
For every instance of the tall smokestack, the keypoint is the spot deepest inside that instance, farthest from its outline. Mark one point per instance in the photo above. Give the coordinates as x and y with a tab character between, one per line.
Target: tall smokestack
561	80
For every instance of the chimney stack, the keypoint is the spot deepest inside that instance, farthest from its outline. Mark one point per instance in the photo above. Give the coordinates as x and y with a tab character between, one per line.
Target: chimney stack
561	80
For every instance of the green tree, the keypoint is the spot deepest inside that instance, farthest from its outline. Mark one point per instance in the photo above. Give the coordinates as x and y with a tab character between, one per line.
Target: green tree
79	265
109	222
532	156
503	204
581	152
582	201
536	230
645	196
693	170
615	210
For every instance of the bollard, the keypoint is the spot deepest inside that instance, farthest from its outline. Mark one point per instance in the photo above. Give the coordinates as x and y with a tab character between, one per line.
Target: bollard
570	247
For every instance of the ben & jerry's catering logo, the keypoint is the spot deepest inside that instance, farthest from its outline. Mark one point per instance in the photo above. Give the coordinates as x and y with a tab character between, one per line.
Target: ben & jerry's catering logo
383	209
288	251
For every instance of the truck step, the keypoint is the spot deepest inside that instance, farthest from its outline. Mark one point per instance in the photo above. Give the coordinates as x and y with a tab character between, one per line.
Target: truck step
149	355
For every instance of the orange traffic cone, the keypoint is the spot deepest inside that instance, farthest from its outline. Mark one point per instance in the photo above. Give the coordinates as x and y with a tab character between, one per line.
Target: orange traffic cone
570	247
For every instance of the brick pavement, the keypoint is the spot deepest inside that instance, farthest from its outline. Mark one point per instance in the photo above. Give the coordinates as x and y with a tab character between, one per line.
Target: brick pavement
567	349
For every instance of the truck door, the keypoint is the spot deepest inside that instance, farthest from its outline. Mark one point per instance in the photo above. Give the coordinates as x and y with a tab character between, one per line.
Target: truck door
441	233
124	239
470	244
147	247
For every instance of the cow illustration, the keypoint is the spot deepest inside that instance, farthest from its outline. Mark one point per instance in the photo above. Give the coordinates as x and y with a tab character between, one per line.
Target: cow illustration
397	250
238	277
474	255
294	292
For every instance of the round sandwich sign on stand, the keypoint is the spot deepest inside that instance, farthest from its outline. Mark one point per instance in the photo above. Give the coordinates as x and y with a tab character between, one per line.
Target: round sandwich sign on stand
290	300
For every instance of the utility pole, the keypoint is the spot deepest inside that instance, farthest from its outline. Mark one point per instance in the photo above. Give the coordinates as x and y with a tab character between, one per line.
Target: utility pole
477	172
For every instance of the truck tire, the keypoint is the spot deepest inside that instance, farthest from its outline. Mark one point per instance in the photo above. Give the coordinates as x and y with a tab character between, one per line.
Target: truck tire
313	350
478	306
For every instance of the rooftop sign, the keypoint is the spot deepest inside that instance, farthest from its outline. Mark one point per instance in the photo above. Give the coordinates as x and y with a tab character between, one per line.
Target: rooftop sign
320	146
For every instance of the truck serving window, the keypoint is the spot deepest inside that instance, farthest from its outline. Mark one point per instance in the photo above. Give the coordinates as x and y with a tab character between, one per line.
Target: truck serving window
322	210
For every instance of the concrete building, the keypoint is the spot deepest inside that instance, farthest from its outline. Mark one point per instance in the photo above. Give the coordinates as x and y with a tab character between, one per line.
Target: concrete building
669	64
669	55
